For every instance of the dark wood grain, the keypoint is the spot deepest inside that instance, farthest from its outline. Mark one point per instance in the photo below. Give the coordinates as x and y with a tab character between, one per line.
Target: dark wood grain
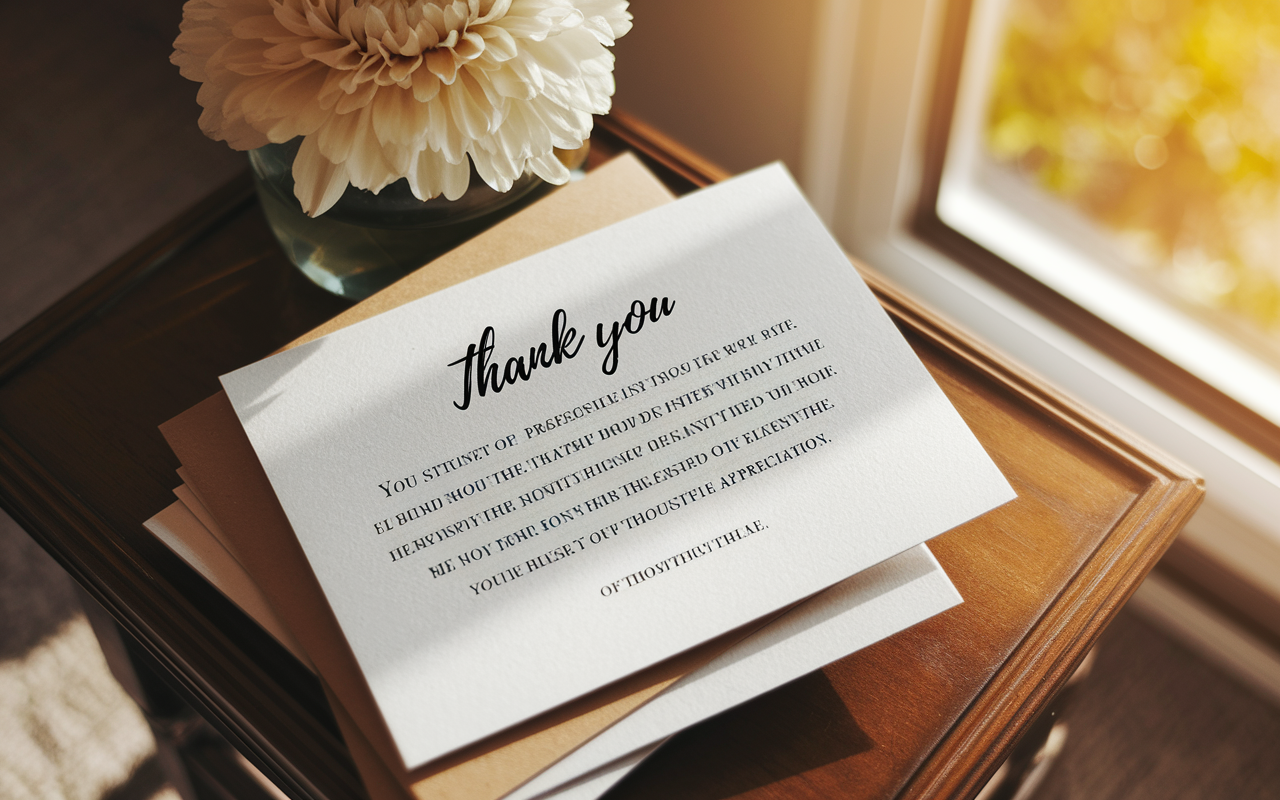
932	711
929	712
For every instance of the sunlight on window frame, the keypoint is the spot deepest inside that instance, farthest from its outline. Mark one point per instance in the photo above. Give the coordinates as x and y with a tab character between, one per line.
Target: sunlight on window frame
1042	195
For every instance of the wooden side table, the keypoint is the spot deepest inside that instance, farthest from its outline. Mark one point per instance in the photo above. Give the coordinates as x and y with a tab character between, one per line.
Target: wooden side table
930	712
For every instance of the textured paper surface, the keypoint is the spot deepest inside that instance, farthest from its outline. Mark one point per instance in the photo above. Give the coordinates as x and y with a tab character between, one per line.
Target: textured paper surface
872	605
595	784
851	615
190	538
219	465
484	593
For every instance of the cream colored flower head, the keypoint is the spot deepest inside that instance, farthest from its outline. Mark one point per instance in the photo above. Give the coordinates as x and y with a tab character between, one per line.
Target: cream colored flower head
390	89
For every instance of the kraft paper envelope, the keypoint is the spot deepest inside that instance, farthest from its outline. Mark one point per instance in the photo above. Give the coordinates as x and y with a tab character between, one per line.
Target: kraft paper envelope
861	610
488	769
187	528
225	474
190	531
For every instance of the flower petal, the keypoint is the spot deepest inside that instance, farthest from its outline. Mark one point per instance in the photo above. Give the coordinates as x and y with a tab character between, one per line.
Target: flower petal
375	24
399	118
336	53
294	106
264	26
337	136
367	166
293	20
550	168
286	55
321	23
499	44
496	169
457	177
443	134
358	97
607	20
442	64
430	90
425	85
496	10
317	181
507	83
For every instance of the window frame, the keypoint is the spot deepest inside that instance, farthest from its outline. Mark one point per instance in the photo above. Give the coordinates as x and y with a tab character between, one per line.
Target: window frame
1149	347
900	102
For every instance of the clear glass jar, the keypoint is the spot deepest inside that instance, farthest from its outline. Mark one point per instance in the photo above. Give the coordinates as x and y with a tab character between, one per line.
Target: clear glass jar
368	241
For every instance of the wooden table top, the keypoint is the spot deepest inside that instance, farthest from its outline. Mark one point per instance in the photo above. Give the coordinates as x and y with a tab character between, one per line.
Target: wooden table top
930	712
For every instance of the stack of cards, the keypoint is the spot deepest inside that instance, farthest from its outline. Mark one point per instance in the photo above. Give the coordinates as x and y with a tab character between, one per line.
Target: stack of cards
526	523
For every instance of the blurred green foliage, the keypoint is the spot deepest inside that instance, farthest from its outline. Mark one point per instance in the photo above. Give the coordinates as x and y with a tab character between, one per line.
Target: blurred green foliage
1161	120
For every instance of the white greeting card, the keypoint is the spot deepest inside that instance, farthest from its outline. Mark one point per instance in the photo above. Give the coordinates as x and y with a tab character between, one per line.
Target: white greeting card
855	613
524	487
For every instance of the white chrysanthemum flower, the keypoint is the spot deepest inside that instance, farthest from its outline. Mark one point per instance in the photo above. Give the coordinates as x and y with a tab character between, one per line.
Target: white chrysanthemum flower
390	89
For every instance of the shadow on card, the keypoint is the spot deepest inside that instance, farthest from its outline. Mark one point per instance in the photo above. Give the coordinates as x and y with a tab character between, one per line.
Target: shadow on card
797	727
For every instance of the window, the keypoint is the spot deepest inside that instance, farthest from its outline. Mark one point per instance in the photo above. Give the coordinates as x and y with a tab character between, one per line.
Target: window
1126	155
995	211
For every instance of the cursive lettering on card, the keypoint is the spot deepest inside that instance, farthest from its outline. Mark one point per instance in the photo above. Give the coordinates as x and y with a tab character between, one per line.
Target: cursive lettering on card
485	376
481	373
633	322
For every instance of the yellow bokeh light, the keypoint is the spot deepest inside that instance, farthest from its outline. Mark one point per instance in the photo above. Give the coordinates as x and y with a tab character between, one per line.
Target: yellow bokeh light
1160	119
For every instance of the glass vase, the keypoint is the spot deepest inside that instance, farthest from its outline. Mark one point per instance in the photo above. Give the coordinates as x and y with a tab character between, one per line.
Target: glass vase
368	241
